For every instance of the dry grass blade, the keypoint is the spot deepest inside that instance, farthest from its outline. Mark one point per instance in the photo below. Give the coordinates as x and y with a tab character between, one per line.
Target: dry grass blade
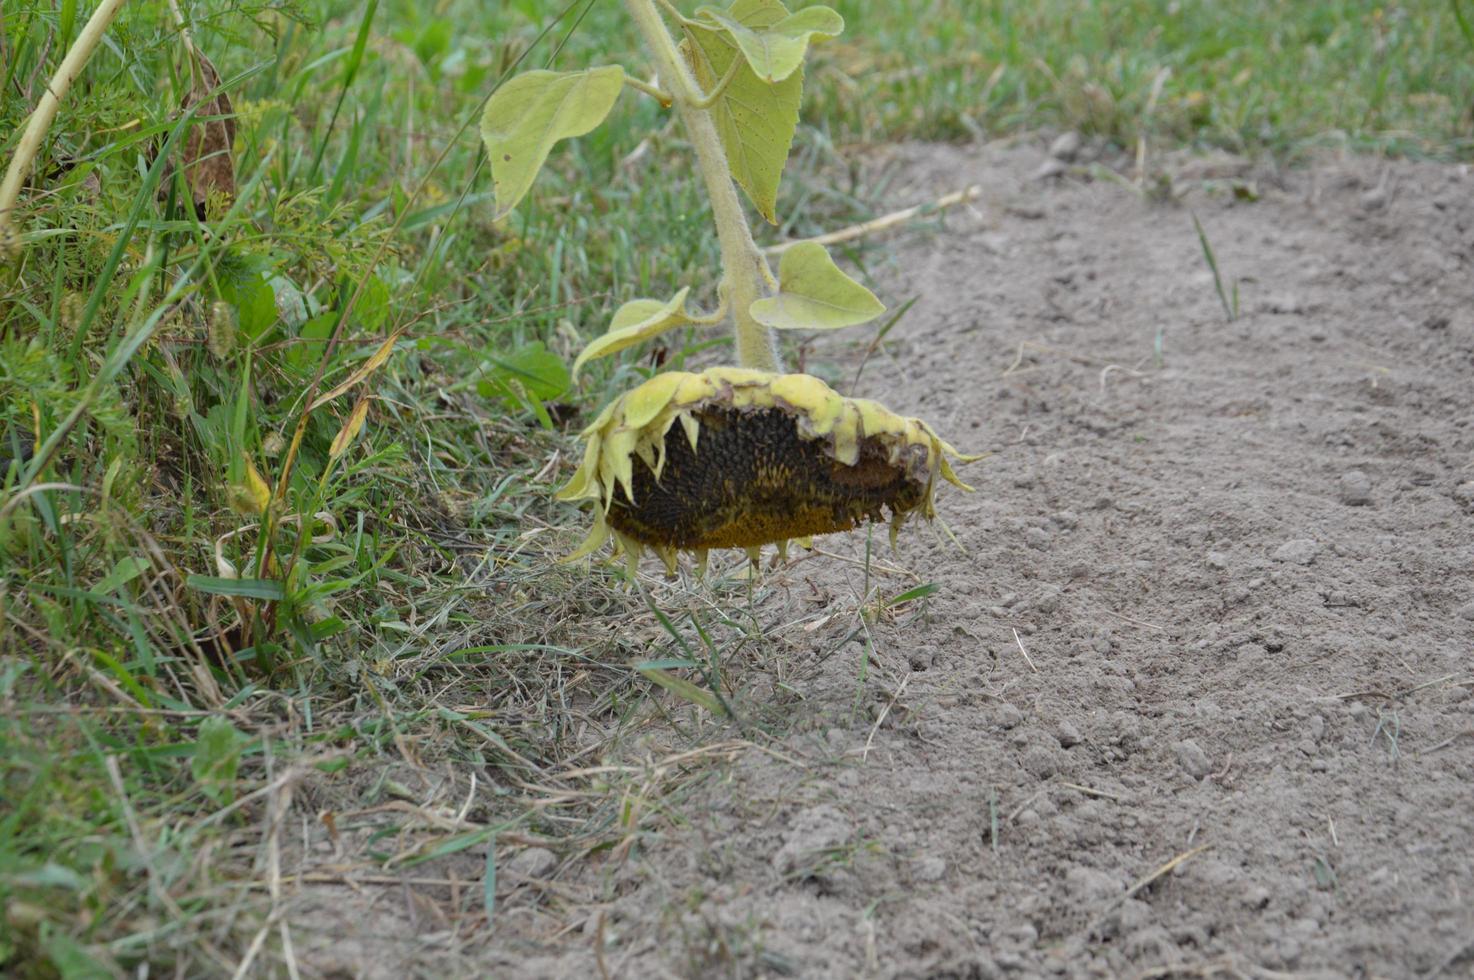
46	109
885	222
350	428
367	368
1145	881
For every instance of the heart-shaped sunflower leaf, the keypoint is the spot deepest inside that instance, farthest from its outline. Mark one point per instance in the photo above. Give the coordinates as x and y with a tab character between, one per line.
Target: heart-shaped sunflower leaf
637	321
776	51
754	118
815	294
533	111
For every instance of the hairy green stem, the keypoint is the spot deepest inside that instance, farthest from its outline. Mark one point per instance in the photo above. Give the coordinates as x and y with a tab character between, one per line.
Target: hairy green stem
746	277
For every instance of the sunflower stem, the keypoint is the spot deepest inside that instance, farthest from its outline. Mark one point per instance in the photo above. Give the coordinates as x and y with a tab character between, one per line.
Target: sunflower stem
746	277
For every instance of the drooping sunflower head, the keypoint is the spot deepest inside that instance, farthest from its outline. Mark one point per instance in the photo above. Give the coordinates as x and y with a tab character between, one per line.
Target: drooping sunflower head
734	458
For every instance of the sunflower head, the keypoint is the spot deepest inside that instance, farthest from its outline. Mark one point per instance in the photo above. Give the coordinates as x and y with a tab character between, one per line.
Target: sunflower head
734	458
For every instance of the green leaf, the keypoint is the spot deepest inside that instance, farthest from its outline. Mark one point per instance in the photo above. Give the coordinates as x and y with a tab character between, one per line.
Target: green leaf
636	321
372	309
69	958
531	369
682	688
312	341
533	111
920	592
754	118
777	51
245	284
250	588
49	875
814	294
488	884
217	755
125	571
1464	27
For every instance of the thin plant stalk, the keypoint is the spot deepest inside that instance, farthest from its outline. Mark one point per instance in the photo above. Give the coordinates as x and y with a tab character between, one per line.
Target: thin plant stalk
746	277
46	108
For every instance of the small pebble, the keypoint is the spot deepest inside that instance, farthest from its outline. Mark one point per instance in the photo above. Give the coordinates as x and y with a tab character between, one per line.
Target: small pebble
1356	489
1192	758
1464	494
535	862
1023	934
1285	303
1088	884
1301	551
1049	168
1048	600
930	868
811	833
1466	611
1037	538
1067	734
1029	212
1038	762
1216	559
1153	942
1007	716
1066	146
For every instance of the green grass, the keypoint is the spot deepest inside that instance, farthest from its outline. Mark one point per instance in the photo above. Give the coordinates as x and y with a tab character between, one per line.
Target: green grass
155	715
1261	76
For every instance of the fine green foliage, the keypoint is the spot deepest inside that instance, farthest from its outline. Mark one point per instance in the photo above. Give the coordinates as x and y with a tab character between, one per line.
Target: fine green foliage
1462	19
1230	303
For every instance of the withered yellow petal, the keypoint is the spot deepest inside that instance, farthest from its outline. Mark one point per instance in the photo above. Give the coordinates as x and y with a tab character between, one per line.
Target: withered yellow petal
650	399
761	458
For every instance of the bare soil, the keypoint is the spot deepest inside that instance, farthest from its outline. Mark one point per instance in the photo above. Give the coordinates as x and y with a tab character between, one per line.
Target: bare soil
1195	695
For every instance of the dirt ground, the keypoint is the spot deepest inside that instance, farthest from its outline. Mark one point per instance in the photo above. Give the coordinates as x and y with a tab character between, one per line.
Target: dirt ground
1195	696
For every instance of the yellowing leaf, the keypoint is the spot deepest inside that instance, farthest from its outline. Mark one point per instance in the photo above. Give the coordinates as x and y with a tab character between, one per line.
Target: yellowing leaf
682	688
777	51
251	496
350	429
754	118
814	294
533	111
636	321
365	369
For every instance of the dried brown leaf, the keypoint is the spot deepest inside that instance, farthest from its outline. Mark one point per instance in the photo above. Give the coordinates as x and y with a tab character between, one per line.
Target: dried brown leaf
207	158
